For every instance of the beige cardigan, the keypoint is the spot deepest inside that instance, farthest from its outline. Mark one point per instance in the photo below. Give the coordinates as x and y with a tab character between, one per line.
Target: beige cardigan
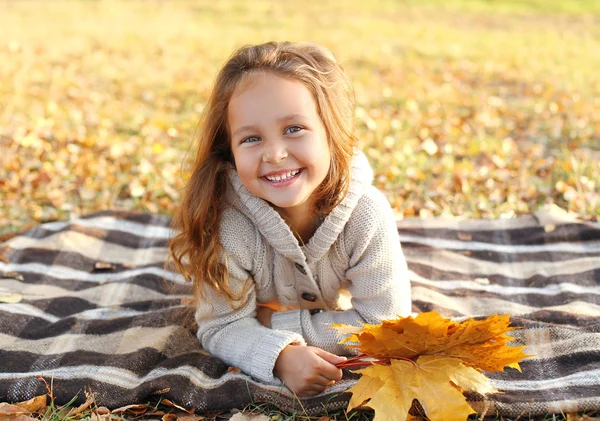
356	248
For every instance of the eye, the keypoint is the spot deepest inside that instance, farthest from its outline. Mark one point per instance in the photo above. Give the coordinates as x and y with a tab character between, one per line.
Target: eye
293	129
251	139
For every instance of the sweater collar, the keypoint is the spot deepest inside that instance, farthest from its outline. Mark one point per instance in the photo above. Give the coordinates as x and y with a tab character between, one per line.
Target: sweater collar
279	235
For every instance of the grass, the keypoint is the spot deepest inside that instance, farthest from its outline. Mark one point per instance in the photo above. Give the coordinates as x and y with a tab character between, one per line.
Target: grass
577	8
475	108
70	413
43	408
466	108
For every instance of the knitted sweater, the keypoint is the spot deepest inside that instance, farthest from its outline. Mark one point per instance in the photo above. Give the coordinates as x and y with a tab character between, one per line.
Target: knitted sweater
355	249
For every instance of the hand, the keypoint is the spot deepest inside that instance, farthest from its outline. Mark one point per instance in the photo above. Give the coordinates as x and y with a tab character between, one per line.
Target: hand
307	370
263	315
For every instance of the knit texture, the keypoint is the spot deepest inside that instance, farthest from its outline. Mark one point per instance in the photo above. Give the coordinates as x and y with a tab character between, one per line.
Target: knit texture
355	251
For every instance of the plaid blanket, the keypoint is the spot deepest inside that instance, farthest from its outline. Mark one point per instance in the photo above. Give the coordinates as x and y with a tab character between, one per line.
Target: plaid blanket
89	309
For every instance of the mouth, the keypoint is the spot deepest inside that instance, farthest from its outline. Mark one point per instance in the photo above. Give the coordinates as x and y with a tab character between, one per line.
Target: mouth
282	177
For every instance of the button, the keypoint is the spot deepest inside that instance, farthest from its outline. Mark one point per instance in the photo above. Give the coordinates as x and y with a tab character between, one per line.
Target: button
315	311
300	268
309	297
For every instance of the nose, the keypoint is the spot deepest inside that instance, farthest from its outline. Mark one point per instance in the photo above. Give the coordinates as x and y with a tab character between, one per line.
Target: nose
274	151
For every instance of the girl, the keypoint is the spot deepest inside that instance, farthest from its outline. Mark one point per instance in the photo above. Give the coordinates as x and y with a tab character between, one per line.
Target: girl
279	218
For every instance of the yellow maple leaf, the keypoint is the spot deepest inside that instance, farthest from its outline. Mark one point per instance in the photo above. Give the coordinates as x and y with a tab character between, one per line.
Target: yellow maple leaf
436	382
428	358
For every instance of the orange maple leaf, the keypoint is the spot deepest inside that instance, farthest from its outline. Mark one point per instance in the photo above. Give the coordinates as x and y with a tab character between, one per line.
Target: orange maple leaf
428	358
481	344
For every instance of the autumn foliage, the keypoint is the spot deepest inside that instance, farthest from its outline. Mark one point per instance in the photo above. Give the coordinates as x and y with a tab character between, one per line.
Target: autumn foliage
94	118
428	358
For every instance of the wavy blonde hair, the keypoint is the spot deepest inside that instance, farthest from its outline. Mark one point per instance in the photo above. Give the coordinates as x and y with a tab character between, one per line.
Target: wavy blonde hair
196	248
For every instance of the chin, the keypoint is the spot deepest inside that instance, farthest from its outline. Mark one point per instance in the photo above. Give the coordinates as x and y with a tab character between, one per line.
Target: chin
287	203
284	205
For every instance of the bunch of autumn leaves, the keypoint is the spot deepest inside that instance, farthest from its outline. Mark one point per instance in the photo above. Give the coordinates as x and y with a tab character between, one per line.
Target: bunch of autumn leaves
428	358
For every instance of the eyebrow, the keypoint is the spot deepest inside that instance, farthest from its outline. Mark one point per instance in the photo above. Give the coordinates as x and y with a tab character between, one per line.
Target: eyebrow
279	120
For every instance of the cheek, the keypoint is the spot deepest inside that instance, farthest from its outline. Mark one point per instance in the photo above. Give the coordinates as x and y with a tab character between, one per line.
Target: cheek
244	171
243	168
324	159
323	163
247	171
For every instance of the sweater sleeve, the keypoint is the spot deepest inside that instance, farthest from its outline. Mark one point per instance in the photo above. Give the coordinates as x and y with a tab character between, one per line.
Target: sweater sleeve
233	334
377	276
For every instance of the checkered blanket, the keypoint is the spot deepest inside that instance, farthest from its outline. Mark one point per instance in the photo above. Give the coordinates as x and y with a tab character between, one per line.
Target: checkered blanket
89	304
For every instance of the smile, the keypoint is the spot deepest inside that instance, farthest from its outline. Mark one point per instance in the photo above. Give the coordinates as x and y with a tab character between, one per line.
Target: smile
283	176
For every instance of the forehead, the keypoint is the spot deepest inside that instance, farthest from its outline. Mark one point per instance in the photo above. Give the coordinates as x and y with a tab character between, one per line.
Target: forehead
261	97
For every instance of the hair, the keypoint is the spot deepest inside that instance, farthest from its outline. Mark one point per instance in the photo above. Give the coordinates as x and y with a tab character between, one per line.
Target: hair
196	249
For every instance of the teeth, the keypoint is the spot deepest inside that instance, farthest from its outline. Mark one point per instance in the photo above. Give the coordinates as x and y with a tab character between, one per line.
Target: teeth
283	176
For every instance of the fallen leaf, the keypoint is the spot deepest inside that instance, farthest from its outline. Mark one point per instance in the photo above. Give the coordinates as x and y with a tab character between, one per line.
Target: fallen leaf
7	409
169	403
137	409
7	236
101	413
242	416
136	189
89	401
33	404
464	236
572	416
430	147
431	380
79	150
102	266
20	417
11	298
102	410
12	275
190	418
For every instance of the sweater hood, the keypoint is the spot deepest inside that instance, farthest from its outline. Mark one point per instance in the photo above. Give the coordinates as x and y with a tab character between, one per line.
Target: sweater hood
279	235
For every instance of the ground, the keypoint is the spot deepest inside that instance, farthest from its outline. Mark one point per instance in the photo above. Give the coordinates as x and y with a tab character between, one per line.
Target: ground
476	108
465	108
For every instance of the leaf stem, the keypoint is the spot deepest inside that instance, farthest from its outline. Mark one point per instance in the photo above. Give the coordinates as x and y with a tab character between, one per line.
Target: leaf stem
357	361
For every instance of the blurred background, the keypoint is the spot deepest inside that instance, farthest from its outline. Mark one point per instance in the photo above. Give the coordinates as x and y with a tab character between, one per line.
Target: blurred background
466	108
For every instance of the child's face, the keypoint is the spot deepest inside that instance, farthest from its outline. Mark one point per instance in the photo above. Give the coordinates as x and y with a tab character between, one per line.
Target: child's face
278	140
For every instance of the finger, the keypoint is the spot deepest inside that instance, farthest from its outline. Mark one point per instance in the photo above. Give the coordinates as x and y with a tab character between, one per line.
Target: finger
331	372
329	357
324	381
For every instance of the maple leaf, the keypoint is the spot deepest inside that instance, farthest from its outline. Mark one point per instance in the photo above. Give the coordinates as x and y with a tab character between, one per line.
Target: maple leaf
428	358
481	344
436	382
